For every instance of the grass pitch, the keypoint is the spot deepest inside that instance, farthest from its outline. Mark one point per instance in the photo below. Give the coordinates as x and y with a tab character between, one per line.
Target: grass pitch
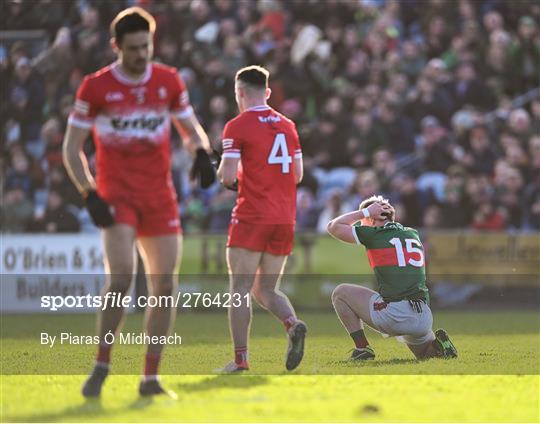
494	379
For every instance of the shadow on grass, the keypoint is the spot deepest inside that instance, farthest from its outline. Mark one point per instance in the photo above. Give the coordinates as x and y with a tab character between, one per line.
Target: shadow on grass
141	402
89	408
230	381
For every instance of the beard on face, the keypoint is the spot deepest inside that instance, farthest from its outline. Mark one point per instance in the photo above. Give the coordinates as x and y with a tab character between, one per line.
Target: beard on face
137	66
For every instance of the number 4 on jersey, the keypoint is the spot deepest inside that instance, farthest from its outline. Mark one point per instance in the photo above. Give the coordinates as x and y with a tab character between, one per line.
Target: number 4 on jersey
280	154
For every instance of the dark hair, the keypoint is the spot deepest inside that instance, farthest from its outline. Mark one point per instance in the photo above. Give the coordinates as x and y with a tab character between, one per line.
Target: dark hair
256	76
132	19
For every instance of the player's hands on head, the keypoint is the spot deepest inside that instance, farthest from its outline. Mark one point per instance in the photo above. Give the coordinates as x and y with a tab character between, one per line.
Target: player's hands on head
99	209
380	211
388	212
202	169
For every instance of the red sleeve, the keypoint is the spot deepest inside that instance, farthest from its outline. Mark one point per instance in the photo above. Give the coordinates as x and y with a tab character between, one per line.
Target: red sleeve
86	106
232	145
297	148
180	106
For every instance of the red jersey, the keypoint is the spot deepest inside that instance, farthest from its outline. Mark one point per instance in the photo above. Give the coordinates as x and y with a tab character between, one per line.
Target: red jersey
267	144
131	128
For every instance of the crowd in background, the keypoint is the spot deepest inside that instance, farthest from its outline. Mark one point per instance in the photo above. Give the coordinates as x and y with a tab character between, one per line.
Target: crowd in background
413	99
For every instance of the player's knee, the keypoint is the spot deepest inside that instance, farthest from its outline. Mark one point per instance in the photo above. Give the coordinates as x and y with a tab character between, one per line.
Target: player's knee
119	286
162	286
339	292
261	296
241	285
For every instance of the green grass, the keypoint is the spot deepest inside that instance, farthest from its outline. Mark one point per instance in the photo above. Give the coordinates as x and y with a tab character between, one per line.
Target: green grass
494	379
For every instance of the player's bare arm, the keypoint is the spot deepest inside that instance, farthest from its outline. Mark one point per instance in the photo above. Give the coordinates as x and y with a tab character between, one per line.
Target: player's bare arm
340	227
77	167
192	133
227	171
298	170
75	160
197	142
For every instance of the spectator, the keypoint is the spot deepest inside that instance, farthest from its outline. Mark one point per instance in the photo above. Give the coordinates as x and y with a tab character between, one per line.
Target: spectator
27	97
482	156
454	213
525	55
469	90
508	195
519	123
532	204
19	174
402	88
363	139
90	41
437	155
306	211
535	111
396	129
432	217
17	210
220	210
385	168
366	185
412	60
410	198
57	218
426	100
488	217
333	208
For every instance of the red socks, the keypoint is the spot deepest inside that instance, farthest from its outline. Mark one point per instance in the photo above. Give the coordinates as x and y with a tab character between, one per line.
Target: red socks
151	361
151	364
104	354
289	322
240	355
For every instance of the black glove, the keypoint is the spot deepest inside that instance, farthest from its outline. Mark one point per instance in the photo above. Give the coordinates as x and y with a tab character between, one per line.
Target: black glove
215	159
203	169
233	186
98	209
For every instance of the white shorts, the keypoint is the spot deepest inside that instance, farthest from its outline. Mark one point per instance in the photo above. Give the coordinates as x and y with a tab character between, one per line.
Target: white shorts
399	319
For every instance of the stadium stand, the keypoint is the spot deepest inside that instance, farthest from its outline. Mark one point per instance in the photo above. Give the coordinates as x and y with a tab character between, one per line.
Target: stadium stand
434	103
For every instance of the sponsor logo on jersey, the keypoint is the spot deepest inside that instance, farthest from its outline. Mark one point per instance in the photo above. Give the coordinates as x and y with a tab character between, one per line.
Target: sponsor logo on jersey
142	122
162	92
269	118
114	96
139	94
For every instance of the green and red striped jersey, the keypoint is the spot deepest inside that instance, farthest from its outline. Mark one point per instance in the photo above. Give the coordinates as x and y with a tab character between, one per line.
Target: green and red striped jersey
397	257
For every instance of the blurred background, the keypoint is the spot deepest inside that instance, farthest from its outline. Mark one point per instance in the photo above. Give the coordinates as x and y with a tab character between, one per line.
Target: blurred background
434	103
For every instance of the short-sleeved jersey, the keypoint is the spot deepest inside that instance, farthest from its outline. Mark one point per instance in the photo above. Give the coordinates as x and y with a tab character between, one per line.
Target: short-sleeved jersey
396	255
267	144
131	122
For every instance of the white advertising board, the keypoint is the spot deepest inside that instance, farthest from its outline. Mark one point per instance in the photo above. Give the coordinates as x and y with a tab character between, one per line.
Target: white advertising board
36	265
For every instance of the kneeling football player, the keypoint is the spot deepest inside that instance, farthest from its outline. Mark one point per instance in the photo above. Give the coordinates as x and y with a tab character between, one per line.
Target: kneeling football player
400	307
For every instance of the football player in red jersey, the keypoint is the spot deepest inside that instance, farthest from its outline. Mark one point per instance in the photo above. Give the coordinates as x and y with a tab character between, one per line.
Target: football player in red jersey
266	146
129	106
